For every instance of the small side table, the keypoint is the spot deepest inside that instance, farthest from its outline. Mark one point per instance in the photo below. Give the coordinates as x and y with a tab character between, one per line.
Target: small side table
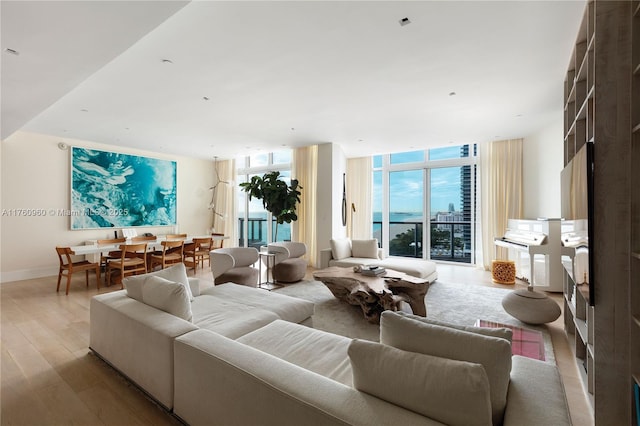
269	260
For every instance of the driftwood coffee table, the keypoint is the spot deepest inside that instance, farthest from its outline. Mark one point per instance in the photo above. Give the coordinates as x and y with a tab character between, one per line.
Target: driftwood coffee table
375	294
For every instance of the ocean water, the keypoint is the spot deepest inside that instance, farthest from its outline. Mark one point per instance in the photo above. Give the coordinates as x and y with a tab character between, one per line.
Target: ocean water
112	190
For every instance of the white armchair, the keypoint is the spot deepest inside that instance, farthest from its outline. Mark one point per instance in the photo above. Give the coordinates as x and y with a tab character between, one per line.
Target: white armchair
290	265
234	264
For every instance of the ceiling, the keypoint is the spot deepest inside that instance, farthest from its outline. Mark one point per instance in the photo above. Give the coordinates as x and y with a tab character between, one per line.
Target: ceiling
212	78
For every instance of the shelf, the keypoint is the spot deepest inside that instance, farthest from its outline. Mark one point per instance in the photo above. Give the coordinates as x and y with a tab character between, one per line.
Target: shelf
636	128
636	70
636	11
635	254
581	329
636	319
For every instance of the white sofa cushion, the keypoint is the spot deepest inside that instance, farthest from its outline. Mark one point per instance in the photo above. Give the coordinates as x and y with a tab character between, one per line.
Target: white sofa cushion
453	392
340	248
493	353
229	317
176	273
287	308
415	267
315	350
501	332
167	296
365	248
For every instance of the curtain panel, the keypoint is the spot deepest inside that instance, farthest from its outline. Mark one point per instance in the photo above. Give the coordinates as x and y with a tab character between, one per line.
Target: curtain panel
501	192
305	169
225	202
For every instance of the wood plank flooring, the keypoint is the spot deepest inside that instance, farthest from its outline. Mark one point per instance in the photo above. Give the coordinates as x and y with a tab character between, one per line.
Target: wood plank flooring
49	376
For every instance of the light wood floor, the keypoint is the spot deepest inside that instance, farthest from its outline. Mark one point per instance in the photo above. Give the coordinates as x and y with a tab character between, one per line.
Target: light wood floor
49	376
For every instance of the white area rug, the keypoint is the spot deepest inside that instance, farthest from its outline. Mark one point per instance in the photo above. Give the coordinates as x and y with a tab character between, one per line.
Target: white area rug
448	302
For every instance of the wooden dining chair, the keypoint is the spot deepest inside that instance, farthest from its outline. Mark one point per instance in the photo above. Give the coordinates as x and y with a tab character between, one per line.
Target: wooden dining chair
171	253
198	252
114	254
176	236
141	238
217	243
68	267
133	261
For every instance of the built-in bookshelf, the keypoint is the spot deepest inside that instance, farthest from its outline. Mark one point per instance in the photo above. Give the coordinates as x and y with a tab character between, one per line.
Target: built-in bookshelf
602	96
579	125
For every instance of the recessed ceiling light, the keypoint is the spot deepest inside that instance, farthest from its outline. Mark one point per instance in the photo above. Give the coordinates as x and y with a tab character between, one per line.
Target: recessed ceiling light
206	98
293	128
11	51
167	61
404	21
452	93
84	110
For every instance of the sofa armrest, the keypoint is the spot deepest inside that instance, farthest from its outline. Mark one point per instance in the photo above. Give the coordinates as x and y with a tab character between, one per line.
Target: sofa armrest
325	257
219	378
536	395
380	253
136	339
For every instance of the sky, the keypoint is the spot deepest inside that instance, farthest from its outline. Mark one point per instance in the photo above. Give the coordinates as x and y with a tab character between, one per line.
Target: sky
406	187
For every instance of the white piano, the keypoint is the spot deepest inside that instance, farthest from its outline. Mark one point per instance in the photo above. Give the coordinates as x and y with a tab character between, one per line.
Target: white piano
535	247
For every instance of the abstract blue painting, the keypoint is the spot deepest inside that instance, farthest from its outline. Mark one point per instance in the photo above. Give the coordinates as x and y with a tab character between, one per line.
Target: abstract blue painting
113	190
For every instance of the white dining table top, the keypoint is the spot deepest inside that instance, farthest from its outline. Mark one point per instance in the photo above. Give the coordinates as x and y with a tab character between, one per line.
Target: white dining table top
151	244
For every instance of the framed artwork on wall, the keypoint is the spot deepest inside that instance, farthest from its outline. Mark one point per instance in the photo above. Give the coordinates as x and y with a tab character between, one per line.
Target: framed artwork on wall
114	190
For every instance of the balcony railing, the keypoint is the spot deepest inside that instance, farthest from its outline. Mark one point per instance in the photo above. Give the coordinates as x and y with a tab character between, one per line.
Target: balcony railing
257	232
450	241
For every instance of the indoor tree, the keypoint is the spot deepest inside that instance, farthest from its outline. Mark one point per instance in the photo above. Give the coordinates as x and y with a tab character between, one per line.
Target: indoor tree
277	197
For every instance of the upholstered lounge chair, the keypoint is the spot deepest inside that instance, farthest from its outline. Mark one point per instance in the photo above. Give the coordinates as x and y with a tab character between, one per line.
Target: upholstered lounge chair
290	265
234	264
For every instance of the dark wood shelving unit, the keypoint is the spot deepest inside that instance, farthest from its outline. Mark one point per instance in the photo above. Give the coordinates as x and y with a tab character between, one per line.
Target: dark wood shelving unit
602	105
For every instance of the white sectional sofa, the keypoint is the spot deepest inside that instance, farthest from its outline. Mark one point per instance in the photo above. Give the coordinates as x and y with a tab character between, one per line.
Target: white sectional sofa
137	338
286	374
236	355
348	253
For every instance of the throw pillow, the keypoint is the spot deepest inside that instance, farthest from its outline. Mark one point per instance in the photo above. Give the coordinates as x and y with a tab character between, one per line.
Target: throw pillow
176	273
493	353
167	296
432	386
502	332
365	248
340	248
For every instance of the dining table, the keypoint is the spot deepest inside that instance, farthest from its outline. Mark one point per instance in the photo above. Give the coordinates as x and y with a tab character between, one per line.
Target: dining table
93	248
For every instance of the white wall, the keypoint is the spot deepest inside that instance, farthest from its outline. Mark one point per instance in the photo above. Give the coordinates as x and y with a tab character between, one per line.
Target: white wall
542	164
332	163
36	175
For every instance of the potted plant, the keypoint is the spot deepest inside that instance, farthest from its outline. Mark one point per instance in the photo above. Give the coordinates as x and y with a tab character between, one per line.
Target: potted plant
277	197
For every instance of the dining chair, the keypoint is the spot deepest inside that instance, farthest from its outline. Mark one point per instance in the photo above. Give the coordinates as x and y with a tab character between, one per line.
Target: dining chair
176	236
140	238
114	254
68	267
217	243
132	261
198	252
171	253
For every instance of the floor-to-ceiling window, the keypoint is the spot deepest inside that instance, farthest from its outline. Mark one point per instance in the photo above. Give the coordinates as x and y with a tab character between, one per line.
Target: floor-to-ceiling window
253	219
431	190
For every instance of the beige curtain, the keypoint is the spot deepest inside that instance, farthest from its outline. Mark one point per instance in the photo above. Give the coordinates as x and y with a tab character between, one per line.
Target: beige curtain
225	201
501	192
359	189
305	169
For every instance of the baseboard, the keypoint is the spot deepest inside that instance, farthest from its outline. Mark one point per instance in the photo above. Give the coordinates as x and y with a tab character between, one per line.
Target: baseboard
28	274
